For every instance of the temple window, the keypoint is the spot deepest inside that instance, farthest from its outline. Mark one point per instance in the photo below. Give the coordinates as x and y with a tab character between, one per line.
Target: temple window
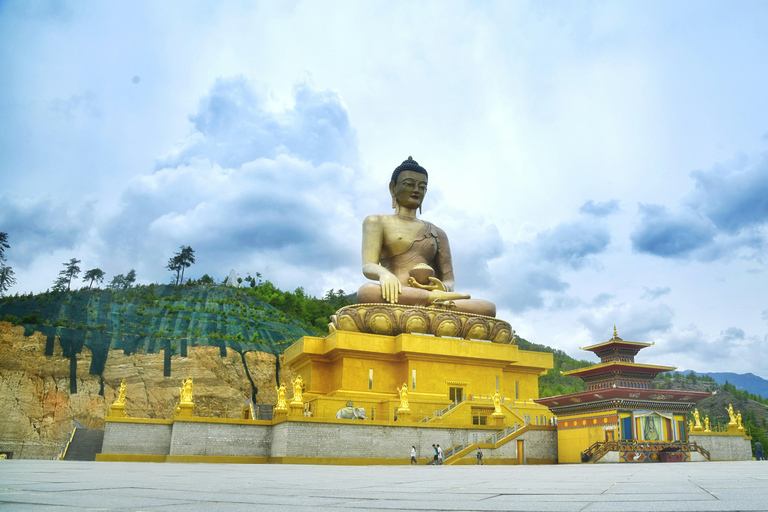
413	379
370	378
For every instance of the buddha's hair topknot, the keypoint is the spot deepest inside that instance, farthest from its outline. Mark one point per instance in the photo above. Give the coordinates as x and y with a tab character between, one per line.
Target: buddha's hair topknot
409	165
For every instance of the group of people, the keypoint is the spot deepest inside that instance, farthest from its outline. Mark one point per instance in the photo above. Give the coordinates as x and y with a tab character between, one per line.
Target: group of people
437	459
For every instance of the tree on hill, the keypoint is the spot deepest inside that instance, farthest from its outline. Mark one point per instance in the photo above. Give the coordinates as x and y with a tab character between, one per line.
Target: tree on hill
71	271
6	278
123	282
6	273
129	279
95	274
3	244
117	282
181	260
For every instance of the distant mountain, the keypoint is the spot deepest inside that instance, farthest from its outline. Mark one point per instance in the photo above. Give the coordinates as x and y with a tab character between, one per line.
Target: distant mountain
746	381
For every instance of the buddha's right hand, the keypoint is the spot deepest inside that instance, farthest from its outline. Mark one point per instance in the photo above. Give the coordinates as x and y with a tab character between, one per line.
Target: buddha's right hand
390	288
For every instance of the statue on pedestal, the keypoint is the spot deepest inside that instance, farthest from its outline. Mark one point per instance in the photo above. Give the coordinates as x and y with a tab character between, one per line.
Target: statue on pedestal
497	404
738	421
410	260
117	409
731	415
120	395
697	425
706	424
280	405
298	385
403	391
185	392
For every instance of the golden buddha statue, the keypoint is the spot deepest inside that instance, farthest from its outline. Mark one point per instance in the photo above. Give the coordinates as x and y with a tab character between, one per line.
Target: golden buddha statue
399	248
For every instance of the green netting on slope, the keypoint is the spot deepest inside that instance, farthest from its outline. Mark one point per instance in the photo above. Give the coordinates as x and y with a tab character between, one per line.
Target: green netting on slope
149	319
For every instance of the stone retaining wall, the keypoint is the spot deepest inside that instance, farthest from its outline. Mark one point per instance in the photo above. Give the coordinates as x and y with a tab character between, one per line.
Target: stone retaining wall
137	438
724	446
305	438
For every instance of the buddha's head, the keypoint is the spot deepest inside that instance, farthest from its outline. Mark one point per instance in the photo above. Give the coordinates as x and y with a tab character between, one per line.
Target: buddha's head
408	184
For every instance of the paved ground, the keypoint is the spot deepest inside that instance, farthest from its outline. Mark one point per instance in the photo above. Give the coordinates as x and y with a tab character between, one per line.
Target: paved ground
68	486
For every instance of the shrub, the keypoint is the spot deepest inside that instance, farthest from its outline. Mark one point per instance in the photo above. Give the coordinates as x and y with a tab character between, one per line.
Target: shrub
13	319
33	318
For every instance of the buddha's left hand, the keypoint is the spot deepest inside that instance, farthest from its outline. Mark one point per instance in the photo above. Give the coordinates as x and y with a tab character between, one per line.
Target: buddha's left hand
435	284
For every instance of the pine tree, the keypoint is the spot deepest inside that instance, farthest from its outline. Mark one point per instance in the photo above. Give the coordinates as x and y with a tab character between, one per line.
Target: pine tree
95	274
71	270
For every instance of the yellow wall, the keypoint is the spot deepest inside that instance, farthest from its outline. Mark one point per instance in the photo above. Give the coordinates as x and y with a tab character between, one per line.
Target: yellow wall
577	432
336	369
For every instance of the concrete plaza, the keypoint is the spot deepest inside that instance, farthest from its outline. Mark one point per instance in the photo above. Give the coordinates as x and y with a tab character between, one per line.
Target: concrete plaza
68	486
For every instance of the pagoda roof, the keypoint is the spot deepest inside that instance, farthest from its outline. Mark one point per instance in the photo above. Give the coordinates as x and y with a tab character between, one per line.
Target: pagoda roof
613	394
619	366
617	342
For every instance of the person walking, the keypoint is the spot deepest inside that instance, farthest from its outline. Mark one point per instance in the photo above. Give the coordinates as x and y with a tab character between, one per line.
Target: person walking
413	456
439	455
434	460
480	457
759	450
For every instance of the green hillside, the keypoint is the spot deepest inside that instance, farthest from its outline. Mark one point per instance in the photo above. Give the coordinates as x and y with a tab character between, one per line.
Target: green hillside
154	318
554	383
753	408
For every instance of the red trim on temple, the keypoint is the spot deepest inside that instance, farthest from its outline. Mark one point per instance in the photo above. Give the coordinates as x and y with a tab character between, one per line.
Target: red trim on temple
658	395
619	366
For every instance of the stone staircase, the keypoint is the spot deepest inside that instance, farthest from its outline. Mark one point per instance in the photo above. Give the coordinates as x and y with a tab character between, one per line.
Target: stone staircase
83	444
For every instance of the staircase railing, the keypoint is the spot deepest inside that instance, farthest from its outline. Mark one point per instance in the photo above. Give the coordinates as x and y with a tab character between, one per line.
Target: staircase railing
599	449
439	413
75	425
492	439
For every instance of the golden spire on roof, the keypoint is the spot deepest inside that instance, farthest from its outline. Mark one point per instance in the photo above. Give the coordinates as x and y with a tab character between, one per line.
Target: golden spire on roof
615	334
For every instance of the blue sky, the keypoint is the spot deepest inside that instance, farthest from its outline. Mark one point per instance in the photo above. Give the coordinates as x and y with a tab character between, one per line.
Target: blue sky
593	163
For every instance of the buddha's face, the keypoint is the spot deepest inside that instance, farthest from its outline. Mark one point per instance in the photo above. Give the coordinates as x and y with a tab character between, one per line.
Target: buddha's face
410	188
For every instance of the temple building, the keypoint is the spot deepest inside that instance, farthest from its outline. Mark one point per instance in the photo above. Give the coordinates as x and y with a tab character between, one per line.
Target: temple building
447	380
620	417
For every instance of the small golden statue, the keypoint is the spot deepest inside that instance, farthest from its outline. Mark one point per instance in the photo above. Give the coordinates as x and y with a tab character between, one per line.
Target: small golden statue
738	421
120	395
497	402
281	405
298	386
706	424
185	392
690	425
730	413
697	421
403	391
117	409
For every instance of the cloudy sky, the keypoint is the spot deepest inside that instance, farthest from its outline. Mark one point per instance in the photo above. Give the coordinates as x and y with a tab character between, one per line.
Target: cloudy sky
593	163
